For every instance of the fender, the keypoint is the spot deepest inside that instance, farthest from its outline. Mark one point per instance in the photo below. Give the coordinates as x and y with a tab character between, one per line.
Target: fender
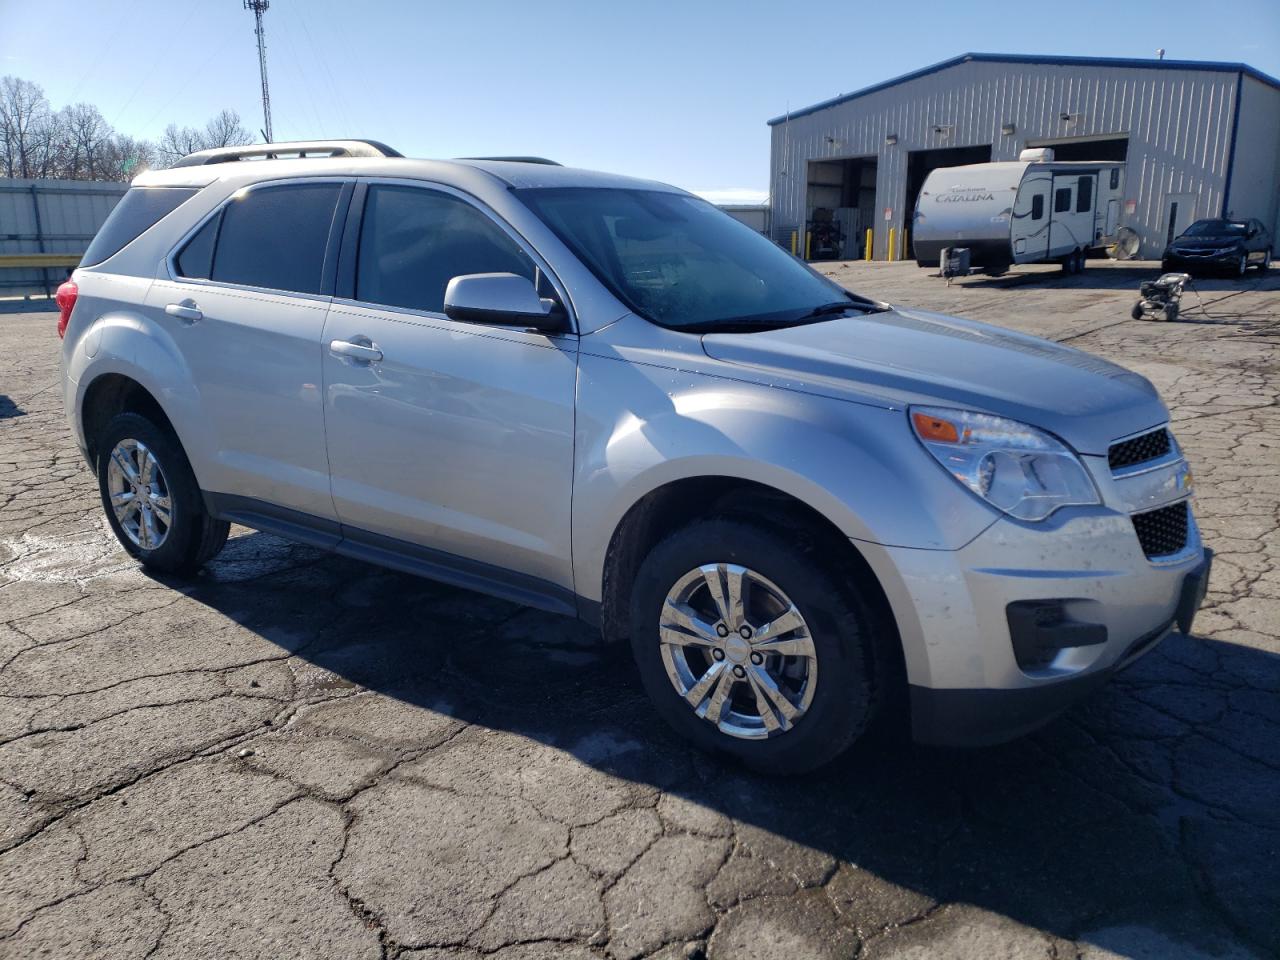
643	426
124	342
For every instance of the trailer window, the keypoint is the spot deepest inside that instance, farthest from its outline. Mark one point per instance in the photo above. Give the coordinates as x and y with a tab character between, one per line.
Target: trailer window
1037	207
1084	195
1115	178
1062	200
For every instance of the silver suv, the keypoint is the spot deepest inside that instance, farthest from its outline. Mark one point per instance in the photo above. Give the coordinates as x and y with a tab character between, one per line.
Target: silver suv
603	397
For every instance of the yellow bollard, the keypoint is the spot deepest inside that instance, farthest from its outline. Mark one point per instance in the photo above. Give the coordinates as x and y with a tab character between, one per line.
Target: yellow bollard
808	243
795	235
891	239
867	248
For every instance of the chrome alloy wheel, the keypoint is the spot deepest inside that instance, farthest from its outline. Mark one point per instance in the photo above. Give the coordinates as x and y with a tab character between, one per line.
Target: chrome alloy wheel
139	494
738	651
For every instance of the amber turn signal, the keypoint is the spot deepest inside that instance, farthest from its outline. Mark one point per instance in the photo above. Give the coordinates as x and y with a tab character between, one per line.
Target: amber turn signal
935	429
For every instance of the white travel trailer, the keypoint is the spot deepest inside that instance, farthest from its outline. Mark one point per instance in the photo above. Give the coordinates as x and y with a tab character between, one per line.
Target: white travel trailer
1032	210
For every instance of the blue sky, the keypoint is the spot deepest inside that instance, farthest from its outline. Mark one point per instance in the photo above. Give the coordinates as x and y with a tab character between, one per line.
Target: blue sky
675	91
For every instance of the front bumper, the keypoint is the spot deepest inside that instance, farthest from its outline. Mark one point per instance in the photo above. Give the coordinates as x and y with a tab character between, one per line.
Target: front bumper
970	682
1190	263
970	718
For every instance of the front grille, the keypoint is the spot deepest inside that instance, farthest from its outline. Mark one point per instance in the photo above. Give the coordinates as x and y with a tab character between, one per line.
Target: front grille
1162	532
1149	446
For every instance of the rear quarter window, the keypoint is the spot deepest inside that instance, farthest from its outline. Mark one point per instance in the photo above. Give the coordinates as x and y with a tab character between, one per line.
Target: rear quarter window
137	212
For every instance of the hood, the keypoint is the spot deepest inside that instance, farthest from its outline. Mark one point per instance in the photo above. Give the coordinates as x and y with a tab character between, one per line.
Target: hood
913	356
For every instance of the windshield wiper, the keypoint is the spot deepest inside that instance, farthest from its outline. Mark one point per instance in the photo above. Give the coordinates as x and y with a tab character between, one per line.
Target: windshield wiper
840	306
778	321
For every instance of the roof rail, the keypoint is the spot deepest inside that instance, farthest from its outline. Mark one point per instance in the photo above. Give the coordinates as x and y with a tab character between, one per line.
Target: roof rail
295	149
542	160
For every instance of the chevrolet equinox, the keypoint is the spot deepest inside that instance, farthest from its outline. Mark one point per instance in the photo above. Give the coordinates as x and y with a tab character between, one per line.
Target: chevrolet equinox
604	397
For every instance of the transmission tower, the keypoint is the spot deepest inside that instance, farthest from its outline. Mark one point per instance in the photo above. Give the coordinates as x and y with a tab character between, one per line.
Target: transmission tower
259	7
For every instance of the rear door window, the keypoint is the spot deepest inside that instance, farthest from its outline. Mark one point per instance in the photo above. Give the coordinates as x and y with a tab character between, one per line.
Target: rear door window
275	237
137	212
413	241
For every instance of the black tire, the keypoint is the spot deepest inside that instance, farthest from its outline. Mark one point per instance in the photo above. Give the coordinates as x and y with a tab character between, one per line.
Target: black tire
1082	261
1265	265
1137	312
1170	312
850	641
193	537
1243	266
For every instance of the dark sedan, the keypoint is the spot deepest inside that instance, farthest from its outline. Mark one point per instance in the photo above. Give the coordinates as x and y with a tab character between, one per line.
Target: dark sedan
1231	246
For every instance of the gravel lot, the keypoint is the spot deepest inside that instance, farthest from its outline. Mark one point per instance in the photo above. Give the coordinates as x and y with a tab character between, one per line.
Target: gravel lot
301	756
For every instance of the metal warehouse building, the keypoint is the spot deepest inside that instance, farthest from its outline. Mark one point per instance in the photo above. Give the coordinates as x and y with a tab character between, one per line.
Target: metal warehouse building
1199	140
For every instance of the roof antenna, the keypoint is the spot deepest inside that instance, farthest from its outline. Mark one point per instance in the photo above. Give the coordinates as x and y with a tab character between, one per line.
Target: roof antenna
1160	54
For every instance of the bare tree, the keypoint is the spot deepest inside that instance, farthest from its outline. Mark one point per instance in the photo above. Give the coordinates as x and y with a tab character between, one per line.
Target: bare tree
23	112
124	157
77	143
86	137
224	130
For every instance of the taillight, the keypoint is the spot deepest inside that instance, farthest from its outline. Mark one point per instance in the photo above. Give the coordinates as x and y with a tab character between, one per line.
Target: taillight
65	298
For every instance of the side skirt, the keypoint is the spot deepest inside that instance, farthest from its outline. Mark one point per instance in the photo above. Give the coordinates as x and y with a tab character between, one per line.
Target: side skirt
396	554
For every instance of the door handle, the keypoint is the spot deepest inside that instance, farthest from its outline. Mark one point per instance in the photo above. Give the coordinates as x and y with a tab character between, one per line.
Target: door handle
361	352
186	311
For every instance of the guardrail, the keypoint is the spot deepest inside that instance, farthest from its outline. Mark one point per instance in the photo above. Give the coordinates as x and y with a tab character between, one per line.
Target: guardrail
35	261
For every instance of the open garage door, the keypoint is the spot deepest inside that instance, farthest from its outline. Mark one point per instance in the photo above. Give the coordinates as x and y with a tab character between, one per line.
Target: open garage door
920	163
840	204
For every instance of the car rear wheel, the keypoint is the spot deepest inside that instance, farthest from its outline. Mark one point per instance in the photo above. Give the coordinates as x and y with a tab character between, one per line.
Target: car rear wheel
151	498
748	646
1265	265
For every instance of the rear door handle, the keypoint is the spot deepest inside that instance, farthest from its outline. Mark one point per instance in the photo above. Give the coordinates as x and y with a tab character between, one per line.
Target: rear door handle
186	311
363	352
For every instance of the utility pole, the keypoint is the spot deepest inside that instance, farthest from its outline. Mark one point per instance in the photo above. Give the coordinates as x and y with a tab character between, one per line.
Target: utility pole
259	7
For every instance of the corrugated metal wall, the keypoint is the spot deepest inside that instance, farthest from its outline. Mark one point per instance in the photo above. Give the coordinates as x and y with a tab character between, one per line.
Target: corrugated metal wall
50	216
1179	125
1255	175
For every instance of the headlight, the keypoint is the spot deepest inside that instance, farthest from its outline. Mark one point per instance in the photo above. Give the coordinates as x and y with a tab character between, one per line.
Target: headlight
1016	468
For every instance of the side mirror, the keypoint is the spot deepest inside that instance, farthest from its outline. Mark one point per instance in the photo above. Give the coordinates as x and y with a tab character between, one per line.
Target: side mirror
502	299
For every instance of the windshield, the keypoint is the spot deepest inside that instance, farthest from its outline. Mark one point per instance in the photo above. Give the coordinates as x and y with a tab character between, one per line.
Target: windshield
1217	228
680	262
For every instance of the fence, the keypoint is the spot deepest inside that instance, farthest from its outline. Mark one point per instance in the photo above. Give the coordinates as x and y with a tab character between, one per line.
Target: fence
53	218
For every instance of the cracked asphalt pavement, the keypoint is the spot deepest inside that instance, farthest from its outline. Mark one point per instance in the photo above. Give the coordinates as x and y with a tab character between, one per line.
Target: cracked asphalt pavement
301	756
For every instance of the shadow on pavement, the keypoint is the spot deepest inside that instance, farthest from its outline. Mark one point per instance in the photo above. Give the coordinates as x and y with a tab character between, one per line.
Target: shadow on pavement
1151	804
8	408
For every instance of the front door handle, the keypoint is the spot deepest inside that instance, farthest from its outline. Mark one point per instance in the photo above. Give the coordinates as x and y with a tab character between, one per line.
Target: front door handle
186	311
348	350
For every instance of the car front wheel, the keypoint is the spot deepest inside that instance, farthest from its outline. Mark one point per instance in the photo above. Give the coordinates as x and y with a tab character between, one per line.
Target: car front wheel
749	646
1242	265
